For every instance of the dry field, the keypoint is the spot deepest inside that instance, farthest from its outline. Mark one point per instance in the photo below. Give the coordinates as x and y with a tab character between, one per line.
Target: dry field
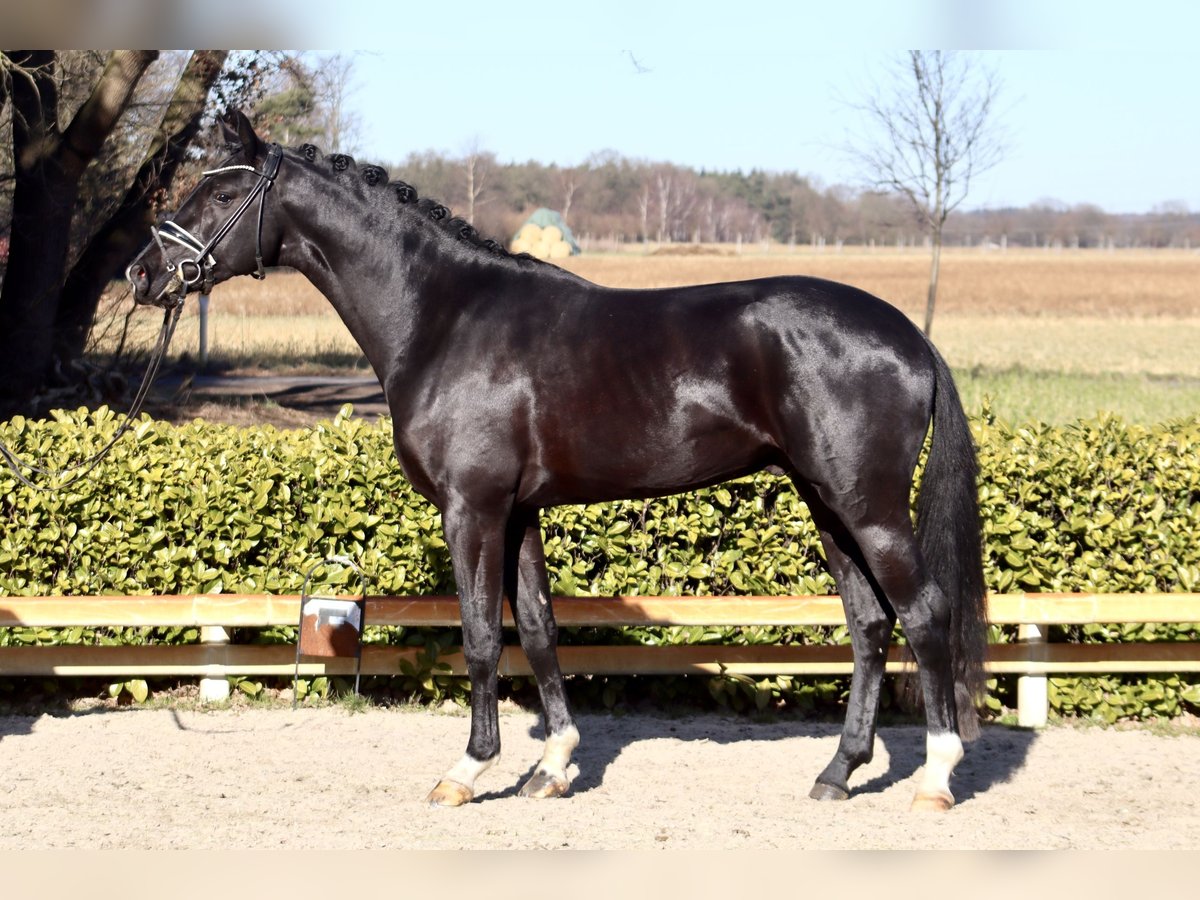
1013	283
1129	318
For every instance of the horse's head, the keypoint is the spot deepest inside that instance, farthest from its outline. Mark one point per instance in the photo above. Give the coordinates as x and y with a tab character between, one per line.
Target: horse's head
218	232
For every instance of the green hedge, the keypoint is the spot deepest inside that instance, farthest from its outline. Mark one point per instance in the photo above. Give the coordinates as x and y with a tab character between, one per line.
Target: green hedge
1094	506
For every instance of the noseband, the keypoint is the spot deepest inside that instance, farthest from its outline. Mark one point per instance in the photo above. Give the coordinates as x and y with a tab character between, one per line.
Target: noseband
198	268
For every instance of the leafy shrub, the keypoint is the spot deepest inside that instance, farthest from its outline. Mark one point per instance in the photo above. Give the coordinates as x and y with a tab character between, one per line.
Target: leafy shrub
1096	506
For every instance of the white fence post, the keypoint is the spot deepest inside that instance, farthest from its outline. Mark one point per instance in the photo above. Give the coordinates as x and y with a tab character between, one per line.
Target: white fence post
214	687
203	330
1033	698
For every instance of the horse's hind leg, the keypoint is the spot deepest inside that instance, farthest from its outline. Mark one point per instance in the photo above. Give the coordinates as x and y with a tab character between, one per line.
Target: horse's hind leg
894	560
877	536
870	618
528	587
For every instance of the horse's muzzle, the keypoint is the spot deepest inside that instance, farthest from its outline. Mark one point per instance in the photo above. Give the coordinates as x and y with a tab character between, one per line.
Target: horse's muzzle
170	295
139	280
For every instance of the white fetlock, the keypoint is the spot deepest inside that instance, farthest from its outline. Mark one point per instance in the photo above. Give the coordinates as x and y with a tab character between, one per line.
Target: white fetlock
942	753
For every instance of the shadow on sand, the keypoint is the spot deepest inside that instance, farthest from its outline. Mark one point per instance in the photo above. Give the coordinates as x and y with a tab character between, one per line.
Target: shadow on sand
993	759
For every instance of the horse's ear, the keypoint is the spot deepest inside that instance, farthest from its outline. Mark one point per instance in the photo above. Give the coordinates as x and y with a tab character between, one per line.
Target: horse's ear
239	134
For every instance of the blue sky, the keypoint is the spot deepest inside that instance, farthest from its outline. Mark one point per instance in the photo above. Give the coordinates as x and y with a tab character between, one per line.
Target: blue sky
1102	108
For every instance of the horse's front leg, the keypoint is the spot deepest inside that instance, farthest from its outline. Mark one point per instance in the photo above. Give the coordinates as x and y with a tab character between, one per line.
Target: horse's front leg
476	541
528	588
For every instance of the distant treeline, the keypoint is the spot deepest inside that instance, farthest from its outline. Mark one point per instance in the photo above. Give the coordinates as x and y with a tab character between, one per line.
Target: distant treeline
612	199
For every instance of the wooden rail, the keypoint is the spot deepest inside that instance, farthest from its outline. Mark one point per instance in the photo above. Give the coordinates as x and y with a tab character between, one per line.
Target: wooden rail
1032	657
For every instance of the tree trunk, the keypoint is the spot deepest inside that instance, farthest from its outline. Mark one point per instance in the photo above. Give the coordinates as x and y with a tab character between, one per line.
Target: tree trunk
48	164
568	194
644	212
470	190
25	315
119	238
664	198
934	269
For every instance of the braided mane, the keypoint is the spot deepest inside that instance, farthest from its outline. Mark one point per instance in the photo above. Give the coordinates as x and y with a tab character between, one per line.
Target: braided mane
406	196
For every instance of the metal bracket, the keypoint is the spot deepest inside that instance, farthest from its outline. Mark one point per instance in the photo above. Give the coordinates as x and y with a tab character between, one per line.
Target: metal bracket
360	604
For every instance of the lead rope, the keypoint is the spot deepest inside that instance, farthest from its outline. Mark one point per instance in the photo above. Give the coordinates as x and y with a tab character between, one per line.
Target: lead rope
170	319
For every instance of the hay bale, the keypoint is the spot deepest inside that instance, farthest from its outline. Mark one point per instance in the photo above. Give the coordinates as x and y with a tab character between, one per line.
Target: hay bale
546	235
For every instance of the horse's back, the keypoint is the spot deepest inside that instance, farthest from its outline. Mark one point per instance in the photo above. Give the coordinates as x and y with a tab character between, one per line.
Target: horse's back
773	345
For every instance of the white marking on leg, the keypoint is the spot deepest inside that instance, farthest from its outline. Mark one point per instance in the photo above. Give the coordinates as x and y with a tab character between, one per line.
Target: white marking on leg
467	769
557	753
942	753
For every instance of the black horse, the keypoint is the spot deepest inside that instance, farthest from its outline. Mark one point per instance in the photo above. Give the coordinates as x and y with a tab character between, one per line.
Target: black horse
514	385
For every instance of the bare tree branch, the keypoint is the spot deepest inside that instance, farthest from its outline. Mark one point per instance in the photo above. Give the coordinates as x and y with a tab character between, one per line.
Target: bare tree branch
477	166
98	115
48	166
931	133
126	228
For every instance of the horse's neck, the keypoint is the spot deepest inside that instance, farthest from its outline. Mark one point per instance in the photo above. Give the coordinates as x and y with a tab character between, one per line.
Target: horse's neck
375	279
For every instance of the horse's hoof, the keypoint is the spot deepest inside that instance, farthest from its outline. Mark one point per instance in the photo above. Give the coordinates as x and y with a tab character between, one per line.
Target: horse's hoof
449	793
932	802
823	791
542	785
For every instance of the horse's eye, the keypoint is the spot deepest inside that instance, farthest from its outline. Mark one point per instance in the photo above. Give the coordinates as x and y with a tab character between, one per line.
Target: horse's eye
223	198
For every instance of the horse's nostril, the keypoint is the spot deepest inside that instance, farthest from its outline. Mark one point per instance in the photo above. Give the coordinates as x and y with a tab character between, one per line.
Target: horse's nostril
137	277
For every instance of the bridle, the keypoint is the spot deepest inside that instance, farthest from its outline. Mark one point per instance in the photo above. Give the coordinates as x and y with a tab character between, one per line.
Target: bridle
198	268
193	270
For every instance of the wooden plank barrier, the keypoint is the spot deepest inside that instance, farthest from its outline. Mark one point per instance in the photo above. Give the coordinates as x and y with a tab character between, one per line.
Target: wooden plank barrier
214	658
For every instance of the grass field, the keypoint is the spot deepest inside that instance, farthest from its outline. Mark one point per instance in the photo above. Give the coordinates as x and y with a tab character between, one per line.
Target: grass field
1044	335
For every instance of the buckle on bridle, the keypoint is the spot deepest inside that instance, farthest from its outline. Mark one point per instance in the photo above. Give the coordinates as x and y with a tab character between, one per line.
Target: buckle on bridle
183	272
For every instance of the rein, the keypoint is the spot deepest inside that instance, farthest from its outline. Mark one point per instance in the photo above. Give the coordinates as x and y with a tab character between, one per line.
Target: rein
170	318
173	293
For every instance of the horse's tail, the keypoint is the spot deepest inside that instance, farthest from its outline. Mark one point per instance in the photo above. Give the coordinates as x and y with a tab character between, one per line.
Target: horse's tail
951	541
